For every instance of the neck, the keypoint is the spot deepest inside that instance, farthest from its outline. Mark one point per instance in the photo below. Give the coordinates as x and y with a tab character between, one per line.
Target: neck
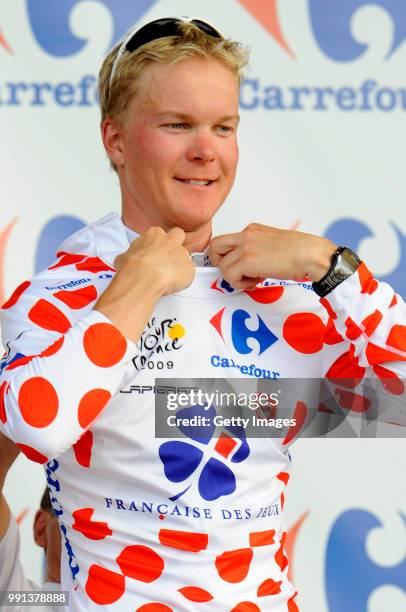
196	240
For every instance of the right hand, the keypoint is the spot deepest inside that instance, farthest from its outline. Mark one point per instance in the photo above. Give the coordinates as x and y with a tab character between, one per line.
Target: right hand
156	264
161	256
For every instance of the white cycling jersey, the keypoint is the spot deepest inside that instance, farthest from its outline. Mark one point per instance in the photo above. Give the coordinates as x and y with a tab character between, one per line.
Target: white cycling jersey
176	523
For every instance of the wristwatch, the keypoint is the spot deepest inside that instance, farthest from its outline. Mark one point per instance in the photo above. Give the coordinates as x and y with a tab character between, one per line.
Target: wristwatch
343	263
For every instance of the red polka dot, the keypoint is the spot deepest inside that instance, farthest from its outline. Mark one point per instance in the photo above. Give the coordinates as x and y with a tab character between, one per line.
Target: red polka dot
284	477
300	417
83	449
79	298
269	587
353	401
376	354
390	381
66	259
183	540
141	563
246	606
32	454
20	361
91	404
50	350
154	607
48	316
397	337
292	607
368	283
93	264
53	348
195	594
304	332
38	402
104	586
262	538
15	296
94	530
233	565
104	344
394	301
353	331
266	295
371	322
323	408
328	307
346	371
3	390
331	335
280	557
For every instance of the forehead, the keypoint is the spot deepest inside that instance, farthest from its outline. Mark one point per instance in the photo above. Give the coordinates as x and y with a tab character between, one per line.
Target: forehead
190	86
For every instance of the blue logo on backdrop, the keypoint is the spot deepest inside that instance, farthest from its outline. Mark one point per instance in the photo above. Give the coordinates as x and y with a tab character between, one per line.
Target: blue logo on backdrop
331	23
50	22
55	231
351	233
351	576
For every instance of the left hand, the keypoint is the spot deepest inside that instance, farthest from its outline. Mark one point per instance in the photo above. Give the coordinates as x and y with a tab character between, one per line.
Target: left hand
245	258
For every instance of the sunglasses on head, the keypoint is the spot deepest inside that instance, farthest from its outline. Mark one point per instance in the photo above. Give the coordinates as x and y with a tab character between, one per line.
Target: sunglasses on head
160	28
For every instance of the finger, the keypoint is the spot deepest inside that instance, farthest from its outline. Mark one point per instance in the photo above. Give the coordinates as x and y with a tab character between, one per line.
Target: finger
235	268
177	235
220	245
249	284
227	261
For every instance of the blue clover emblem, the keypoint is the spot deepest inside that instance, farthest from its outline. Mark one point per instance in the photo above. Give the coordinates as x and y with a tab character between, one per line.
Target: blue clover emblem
182	459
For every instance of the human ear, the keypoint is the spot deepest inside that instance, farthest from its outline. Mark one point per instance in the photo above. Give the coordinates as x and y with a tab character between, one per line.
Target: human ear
112	140
40	528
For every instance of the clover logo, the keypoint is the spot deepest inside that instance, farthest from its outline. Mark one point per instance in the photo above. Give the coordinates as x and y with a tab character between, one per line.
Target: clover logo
184	461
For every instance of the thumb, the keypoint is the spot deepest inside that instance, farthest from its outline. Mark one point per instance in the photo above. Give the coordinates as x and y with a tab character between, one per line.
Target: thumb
177	235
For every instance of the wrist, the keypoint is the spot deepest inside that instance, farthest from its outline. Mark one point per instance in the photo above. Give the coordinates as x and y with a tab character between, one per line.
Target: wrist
320	261
344	263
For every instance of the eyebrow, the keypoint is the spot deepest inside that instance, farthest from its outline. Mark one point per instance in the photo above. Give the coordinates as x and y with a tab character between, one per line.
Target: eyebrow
186	117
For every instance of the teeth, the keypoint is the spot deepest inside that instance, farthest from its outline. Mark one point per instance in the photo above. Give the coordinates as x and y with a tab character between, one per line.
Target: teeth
192	182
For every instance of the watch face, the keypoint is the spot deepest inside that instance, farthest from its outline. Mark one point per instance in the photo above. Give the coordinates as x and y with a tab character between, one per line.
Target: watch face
344	263
347	263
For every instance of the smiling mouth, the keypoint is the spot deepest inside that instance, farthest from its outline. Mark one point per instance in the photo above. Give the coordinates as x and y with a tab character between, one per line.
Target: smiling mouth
199	182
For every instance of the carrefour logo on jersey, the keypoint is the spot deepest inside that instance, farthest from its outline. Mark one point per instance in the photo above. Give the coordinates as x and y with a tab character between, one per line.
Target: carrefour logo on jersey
242	326
332	39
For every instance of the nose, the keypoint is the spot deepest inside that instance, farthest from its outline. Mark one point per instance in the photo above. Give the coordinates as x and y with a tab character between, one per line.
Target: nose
201	147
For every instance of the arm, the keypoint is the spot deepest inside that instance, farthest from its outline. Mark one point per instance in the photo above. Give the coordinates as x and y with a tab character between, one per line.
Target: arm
8	454
65	363
367	314
364	334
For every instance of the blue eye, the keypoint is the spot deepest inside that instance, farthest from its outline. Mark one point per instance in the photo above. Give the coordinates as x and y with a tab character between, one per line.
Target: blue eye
178	126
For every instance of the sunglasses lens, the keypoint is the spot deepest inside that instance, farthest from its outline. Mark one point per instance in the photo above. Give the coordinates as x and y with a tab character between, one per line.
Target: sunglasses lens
207	28
160	28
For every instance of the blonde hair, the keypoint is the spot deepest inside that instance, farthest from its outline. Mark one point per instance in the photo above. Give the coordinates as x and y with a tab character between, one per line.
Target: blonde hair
115	97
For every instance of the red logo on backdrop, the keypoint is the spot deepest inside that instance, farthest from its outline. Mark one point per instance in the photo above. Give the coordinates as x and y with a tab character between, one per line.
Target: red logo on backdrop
4	43
268	16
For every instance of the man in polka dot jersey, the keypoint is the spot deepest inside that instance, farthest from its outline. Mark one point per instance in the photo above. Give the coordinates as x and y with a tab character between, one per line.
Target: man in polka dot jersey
152	524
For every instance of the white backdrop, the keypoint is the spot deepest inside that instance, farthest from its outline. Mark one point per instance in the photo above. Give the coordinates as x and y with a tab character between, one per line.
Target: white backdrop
322	146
